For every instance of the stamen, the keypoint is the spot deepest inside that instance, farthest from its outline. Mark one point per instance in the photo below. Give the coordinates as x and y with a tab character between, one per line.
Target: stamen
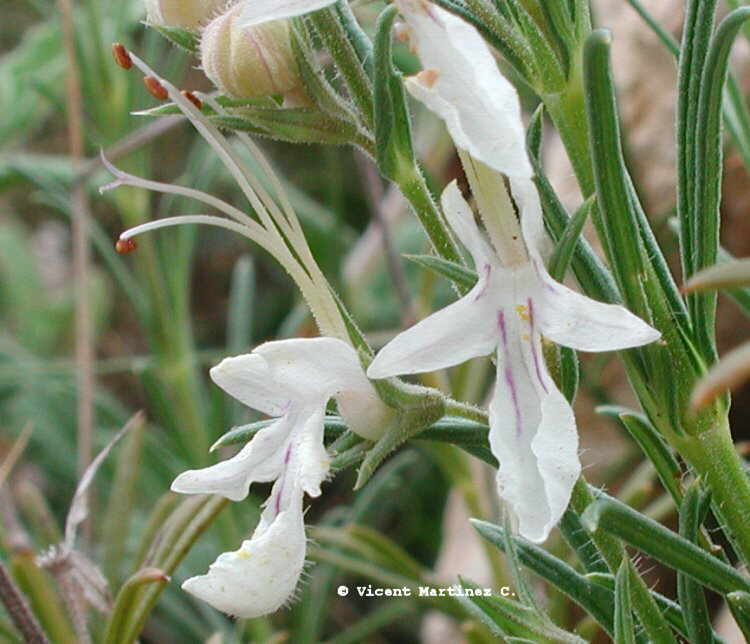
124	246
155	88
125	179
319	299
121	55
192	98
209	132
288	220
207	220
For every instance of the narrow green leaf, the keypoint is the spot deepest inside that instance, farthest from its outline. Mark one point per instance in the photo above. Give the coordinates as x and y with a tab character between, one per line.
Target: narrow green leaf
696	34
183	38
186	523
357	36
595	599
294	124
394	148
566	244
126	598
616	216
661	543
511	620
334	427
655	621
550	72
469	435
580	540
656	450
624	626
457	273
121	497
690	593
705	211
335	37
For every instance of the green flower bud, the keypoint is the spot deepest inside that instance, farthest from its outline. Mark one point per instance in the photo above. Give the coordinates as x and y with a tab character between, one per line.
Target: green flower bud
189	14
249	62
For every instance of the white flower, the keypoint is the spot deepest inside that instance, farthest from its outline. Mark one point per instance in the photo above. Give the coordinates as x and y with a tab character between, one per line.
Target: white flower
291	380
532	427
515	301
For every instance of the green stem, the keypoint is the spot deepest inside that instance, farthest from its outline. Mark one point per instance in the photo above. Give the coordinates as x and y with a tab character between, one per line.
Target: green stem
568	112
462	410
613	552
713	456
414	187
336	40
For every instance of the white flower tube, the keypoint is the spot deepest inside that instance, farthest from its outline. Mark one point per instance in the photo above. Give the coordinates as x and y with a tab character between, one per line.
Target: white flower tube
291	380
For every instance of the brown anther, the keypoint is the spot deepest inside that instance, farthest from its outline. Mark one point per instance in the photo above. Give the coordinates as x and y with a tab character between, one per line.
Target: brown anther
428	77
155	88
192	98
121	55
125	246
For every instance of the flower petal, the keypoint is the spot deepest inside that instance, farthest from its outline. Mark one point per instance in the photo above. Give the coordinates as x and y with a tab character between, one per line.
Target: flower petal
259	11
314	368
464	87
532	431
461	219
261	460
460	331
526	196
577	321
261	576
314	462
248	379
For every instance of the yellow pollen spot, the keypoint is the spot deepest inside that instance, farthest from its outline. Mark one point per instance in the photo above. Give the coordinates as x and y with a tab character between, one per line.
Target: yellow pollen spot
526	337
243	554
428	77
523	312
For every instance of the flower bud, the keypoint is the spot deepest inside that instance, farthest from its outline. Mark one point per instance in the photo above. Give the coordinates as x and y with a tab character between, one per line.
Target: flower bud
249	62
189	14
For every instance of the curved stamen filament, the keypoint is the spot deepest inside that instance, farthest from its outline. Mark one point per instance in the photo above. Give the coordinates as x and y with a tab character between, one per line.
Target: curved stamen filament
123	178
307	275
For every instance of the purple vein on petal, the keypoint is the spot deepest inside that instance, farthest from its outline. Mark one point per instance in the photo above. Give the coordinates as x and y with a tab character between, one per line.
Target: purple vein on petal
508	372
277	500
534	352
487	273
